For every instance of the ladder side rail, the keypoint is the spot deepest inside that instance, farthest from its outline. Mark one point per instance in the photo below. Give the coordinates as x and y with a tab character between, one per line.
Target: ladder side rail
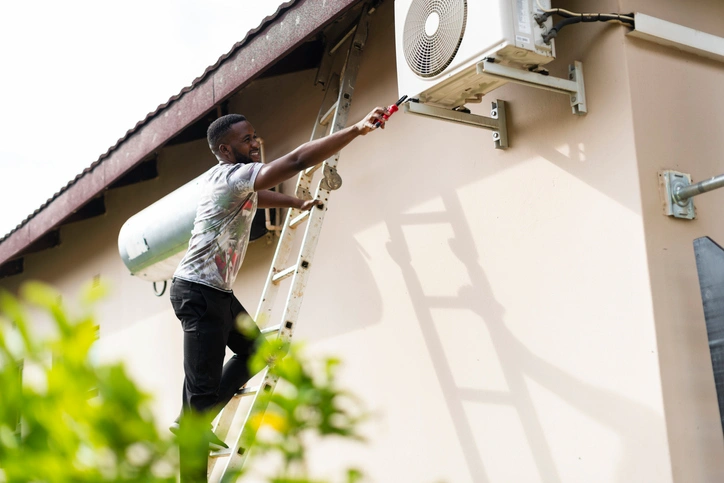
239	453
282	252
281	255
286	239
223	422
344	102
227	416
314	224
300	277
271	289
331	95
350	68
284	247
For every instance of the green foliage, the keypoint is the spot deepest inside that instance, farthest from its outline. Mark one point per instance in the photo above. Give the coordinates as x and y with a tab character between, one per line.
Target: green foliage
307	403
76	422
81	422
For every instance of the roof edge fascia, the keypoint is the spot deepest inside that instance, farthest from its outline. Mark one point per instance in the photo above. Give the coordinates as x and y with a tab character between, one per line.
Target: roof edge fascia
277	35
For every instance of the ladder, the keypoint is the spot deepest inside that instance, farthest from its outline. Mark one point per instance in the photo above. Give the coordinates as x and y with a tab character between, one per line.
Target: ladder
332	117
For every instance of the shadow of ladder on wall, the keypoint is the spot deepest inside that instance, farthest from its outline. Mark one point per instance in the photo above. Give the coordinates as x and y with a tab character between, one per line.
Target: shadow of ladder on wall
477	298
332	117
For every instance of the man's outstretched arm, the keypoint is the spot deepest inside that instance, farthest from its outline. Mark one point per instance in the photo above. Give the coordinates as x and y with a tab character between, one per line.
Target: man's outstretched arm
314	152
272	199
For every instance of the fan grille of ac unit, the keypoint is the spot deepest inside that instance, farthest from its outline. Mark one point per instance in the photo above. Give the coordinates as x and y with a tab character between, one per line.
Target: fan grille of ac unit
429	55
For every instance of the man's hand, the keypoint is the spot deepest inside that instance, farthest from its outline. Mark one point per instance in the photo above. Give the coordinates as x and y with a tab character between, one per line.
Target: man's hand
309	204
314	152
272	199
367	124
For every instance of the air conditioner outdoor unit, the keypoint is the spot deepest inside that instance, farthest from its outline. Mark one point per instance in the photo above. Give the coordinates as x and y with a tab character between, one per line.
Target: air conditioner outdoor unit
439	43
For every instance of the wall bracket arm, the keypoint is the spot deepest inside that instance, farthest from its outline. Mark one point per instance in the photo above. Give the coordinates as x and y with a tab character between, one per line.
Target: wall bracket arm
497	122
573	86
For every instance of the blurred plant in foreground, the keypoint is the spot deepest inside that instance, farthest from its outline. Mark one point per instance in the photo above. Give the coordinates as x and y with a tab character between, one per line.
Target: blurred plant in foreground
307	404
82	422
77	422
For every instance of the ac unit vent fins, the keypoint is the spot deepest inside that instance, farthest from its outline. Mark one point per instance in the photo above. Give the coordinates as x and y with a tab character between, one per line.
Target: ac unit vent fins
432	35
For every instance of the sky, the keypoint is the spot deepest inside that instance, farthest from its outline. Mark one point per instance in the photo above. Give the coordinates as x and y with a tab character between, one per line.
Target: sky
76	75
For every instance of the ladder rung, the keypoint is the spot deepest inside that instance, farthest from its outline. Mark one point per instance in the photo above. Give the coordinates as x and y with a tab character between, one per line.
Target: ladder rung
312	169
222	453
247	391
270	330
299	218
328	115
287	272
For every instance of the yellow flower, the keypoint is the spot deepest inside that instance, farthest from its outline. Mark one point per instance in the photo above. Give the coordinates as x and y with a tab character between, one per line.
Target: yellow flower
271	419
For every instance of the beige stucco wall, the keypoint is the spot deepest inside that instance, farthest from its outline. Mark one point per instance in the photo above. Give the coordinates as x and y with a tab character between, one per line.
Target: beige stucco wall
520	315
677	116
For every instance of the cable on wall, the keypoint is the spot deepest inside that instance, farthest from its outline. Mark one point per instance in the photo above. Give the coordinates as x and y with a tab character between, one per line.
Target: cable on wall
569	18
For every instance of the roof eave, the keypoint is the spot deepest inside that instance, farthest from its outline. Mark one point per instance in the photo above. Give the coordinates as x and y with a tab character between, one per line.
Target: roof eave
278	35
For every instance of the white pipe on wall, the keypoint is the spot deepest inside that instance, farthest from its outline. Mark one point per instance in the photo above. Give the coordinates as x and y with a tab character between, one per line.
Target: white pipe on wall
674	35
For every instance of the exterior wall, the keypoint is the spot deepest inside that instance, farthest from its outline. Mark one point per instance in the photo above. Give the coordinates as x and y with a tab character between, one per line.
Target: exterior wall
135	325
506	315
512	337
677	117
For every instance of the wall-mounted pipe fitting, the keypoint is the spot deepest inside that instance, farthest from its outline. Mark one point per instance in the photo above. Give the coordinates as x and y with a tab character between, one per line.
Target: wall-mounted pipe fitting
678	191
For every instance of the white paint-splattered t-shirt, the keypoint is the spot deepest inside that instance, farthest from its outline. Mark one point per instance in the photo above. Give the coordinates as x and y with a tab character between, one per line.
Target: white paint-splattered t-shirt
222	226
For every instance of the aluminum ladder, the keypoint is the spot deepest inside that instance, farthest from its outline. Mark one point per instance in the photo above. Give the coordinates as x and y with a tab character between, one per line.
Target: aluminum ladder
332	117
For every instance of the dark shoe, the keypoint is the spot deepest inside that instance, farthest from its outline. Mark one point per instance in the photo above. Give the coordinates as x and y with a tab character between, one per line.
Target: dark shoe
215	444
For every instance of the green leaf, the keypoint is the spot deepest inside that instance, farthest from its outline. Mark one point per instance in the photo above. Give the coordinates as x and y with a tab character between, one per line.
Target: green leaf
40	294
92	292
354	475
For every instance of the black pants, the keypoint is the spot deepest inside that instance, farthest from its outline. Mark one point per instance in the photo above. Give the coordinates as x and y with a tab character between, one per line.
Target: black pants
208	317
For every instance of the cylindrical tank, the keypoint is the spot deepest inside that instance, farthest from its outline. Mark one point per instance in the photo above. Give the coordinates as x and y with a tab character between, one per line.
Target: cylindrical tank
153	242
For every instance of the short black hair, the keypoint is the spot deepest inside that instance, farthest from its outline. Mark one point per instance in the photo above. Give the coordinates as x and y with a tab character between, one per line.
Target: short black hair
218	129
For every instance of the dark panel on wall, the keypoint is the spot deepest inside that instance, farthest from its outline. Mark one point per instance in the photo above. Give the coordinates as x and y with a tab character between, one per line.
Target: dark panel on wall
258	224
95	207
142	172
49	240
306	56
710	266
197	130
11	267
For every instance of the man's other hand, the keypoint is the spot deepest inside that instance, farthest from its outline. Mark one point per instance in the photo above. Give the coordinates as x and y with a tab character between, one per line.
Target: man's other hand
309	204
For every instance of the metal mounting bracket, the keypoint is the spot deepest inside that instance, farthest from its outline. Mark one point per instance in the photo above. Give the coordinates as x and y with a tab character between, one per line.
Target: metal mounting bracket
573	86
496	122
678	192
672	182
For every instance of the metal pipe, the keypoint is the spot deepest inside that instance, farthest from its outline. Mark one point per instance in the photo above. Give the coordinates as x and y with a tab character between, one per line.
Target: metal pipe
683	194
267	211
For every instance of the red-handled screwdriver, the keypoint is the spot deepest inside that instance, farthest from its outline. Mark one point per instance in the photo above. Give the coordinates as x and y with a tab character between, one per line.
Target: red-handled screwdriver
393	109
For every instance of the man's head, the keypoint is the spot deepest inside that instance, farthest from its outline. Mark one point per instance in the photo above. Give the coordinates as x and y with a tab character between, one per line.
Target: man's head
232	139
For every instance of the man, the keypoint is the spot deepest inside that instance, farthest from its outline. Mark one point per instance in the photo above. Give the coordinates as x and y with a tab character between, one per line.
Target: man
201	291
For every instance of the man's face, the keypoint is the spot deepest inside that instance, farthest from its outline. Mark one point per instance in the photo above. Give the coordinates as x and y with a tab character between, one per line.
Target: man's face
243	144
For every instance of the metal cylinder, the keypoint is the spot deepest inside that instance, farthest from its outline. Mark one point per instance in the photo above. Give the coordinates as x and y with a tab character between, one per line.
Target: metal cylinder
683	194
153	242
